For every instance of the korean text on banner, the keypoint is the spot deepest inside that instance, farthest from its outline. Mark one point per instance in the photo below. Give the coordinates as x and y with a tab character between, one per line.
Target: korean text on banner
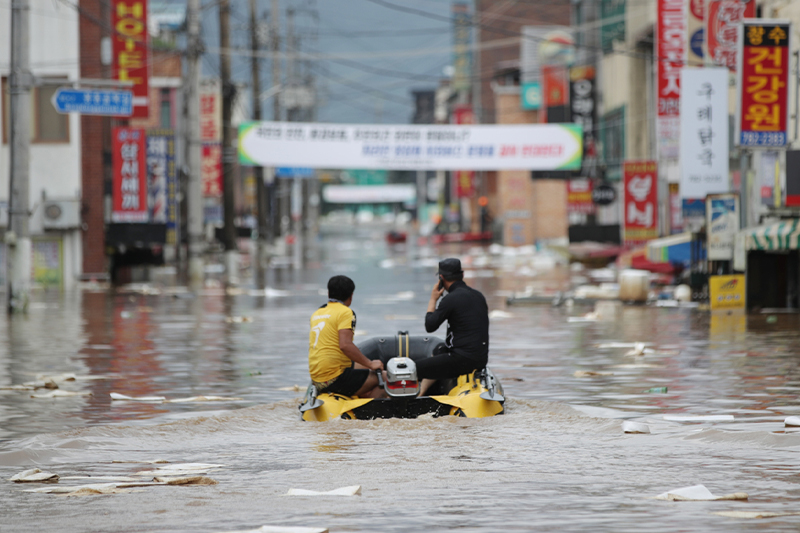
130	51
762	83
722	28
584	112
641	202
722	225
211	170
130	176
671	37
704	132
412	147
162	190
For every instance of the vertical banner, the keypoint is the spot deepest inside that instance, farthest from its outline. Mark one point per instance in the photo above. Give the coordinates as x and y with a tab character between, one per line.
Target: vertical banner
462	57
695	33
722	225
162	190
704	132
130	176
584	113
211	171
675	209
130	51
640	202
465	179
211	138
579	196
722	28
762	83
671	40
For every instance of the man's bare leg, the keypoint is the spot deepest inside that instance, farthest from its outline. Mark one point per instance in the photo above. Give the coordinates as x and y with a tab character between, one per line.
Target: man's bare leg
425	385
370	388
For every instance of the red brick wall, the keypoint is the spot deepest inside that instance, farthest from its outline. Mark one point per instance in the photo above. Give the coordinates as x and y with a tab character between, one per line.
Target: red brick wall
94	139
507	19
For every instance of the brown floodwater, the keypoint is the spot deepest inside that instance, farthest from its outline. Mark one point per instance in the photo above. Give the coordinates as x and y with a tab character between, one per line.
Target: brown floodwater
556	460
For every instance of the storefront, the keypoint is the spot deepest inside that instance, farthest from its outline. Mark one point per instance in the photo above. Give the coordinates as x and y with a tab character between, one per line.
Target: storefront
769	255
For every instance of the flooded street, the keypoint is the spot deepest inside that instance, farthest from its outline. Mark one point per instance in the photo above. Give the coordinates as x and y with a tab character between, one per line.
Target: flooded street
556	460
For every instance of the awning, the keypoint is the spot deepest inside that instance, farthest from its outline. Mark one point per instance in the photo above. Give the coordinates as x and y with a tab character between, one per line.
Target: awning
675	249
784	235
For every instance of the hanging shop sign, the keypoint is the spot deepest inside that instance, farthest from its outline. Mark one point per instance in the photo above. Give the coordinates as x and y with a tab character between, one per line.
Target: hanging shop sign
727	292
604	194
584	113
722	28
211	170
130	176
130	52
675	209
531	95
411	147
464	179
670	50
462	38
162	181
579	196
762	83
704	132
640	202
722	225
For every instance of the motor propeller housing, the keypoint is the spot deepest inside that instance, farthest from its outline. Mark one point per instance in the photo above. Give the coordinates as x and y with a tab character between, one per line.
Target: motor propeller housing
401	378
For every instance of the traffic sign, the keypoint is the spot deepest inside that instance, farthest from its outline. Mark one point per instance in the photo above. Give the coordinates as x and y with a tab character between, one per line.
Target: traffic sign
93	102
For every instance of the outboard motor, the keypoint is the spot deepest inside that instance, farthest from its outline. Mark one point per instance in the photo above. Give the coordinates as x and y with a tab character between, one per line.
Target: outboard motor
401	378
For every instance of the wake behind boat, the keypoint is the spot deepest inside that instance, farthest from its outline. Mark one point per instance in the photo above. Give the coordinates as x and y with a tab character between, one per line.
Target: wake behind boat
474	395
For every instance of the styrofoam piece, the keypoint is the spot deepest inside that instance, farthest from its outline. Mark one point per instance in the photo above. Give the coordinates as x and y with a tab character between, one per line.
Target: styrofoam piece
352	490
58	393
792	421
282	529
699	418
698	493
622	344
635	427
34	475
122	397
200	399
755	514
499	313
99	488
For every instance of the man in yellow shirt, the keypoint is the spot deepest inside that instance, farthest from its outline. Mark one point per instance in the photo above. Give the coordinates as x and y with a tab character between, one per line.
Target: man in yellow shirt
336	364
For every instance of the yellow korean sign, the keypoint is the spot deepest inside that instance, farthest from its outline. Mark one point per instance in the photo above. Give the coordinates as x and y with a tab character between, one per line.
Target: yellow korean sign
727	292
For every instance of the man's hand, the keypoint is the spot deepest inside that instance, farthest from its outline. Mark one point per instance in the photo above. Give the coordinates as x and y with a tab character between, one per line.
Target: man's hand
436	292
376	365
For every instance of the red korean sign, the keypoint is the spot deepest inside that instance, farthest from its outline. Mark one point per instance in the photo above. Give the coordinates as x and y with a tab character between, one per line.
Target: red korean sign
722	28
130	52
640	202
556	85
465	179
130	175
579	196
211	171
763	83
671	38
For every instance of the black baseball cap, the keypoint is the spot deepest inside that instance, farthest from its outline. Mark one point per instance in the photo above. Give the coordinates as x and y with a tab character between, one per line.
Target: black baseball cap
450	266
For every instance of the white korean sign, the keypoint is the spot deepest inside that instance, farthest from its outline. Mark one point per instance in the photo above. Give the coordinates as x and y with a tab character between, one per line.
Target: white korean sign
369	194
704	132
412	147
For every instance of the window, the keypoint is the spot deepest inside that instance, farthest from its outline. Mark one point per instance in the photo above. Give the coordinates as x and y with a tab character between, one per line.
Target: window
166	109
47	125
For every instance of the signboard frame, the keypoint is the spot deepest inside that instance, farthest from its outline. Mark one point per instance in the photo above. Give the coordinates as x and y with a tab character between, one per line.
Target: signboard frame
720	242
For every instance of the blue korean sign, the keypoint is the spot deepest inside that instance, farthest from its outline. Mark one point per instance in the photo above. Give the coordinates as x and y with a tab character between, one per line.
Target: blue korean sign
294	172
531	95
93	102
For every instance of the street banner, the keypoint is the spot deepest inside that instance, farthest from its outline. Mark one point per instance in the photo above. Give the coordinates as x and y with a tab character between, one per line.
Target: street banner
161	200
640	202
670	52
727	292
465	179
722	225
584	113
694	43
130	51
762	83
704	132
370	194
211	169
722	29
411	146
130	176
210	111
579	196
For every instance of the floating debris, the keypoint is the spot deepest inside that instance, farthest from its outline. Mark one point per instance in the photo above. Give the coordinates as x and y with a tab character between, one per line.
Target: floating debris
294	388
640	350
34	475
699	418
591	374
588	317
282	529
238	319
60	394
179	469
185	480
499	313
635	427
755	514
152	462
122	397
623	344
792	421
698	493
163	399
82	490
353	490
656	390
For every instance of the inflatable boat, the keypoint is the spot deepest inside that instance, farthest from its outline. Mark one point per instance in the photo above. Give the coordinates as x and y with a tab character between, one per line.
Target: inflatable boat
474	395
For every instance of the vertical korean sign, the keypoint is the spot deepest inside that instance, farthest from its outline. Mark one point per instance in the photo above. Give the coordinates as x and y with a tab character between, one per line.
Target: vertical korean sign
465	179
161	201
584	112
704	132
130	176
130	52
641	202
762	83
579	196
722	28
462	57
671	37
211	138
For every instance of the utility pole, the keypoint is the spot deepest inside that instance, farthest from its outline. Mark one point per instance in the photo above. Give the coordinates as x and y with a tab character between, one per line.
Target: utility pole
228	152
296	208
261	190
275	46
18	240
194	199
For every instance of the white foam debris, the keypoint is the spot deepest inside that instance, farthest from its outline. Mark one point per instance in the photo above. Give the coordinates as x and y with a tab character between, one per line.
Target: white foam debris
185	480
180	469
68	376
792	421
698	493
635	427
238	319
122	397
353	490
499	313
622	344
755	514
93	488
639	350
588	317
34	475
162	399
699	418
295	388
282	529
60	394
152	461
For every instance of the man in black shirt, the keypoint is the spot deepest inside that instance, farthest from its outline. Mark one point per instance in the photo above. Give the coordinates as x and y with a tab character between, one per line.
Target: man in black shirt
467	315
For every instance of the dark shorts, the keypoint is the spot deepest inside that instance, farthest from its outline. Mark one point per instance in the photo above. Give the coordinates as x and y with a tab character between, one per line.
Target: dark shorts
349	382
446	365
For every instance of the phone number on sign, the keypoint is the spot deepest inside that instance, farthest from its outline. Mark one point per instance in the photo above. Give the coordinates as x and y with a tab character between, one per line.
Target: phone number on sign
762	138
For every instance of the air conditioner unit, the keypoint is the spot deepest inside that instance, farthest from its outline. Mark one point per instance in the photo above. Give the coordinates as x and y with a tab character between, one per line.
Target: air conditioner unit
61	214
